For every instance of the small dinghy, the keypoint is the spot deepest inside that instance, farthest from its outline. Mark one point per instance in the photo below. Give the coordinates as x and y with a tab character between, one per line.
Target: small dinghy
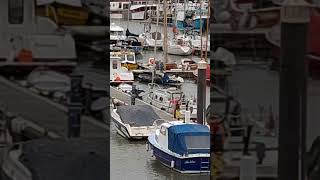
135	121
182	147
49	81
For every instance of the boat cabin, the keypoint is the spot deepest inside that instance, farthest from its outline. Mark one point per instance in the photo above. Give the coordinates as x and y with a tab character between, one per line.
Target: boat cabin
164	98
27	37
117	33
184	139
126	56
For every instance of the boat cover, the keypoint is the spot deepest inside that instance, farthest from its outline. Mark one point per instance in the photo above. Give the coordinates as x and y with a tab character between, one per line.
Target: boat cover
189	139
137	115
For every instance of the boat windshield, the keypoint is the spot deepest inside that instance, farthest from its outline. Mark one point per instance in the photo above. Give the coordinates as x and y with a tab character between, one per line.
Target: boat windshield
116	33
176	96
197	142
130	58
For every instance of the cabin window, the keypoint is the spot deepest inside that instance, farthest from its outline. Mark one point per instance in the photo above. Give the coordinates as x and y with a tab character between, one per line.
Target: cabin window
114	64
197	142
163	130
120	5
130	58
161	99
126	6
15	11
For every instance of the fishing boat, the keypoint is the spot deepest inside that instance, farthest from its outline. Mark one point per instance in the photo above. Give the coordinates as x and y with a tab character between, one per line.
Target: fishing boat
119	74
180	46
170	100
116	33
135	121
183	147
128	59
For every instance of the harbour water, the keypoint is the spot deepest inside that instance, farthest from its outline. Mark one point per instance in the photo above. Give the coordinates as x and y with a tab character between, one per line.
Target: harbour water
130	160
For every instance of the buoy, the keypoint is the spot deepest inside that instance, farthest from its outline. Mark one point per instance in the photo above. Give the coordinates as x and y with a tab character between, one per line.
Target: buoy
152	61
117	77
25	55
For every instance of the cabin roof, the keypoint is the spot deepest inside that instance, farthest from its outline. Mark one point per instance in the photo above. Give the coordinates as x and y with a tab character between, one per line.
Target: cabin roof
137	115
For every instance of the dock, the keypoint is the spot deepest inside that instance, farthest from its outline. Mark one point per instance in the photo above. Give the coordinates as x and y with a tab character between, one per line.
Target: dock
115	93
36	113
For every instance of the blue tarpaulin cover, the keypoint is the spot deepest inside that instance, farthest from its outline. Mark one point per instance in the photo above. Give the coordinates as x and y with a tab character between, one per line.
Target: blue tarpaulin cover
189	139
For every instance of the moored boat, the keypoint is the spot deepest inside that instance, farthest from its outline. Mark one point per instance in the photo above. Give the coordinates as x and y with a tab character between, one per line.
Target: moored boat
119	74
182	147
135	121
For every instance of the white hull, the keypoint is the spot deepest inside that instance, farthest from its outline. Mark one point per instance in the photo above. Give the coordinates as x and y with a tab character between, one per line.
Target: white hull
138	15
179	50
126	131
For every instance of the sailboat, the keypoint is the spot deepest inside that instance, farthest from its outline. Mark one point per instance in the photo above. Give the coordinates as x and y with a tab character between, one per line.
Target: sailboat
152	39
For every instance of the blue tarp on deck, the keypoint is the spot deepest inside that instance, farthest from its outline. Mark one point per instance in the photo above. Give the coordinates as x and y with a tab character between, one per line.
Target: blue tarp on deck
189	139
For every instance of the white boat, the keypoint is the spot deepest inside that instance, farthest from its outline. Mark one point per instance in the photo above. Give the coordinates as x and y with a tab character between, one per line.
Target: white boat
117	33
168	98
119	74
48	81
128	59
117	9
152	39
182	147
180	46
196	43
135	121
142	11
21	31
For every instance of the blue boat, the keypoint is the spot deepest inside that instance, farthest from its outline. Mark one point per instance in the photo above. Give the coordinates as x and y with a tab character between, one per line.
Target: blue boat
182	147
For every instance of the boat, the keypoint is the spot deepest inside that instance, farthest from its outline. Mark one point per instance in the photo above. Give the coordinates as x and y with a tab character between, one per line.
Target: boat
119	74
116	33
142	11
127	88
135	121
196	43
29	38
117	9
161	78
167	99
152	39
48	81
183	147
128	59
180	46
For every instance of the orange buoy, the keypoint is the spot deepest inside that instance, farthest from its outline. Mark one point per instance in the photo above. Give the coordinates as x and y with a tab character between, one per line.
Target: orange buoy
152	61
25	55
117	77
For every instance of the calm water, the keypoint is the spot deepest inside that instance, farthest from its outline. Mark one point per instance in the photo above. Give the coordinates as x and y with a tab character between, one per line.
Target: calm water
130	160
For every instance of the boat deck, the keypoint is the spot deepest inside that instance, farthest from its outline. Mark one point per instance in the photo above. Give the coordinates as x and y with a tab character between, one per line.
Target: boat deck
43	112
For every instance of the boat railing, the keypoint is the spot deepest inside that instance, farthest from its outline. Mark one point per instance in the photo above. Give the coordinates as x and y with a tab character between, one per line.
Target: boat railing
158	122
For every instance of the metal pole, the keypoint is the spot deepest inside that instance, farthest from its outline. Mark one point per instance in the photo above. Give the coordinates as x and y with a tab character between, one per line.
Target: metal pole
75	106
165	29
293	75
201	92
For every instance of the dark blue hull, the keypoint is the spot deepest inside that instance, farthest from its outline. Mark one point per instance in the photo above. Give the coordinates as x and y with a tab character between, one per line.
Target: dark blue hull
182	165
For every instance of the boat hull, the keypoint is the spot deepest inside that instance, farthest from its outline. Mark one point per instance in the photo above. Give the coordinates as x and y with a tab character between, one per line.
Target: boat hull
180	50
124	132
185	165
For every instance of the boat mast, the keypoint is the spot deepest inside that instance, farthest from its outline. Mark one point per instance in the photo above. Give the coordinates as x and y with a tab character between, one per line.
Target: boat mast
165	28
207	31
155	41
